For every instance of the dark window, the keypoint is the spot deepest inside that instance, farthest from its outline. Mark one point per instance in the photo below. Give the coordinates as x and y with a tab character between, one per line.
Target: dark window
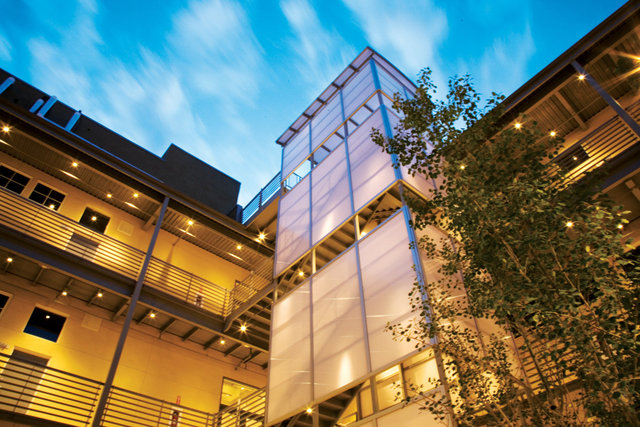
45	324
3	301
94	220
47	196
12	180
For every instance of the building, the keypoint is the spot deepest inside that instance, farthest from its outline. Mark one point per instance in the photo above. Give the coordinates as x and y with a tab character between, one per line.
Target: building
102	241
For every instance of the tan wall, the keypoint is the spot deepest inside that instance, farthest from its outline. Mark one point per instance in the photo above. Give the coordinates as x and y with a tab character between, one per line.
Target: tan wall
156	367
169	247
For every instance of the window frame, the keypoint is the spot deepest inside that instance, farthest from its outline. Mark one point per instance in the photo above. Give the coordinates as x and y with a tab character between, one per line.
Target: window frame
51	188
51	311
29	178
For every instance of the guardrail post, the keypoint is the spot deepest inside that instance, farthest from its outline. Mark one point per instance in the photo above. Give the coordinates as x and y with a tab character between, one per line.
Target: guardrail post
127	322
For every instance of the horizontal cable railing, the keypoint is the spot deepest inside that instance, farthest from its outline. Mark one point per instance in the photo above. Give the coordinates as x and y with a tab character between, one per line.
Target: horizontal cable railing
127	408
188	287
262	198
45	224
42	392
604	143
49	226
248	411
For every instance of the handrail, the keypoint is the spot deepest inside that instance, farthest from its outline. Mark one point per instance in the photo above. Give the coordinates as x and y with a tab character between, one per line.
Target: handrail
248	411
43	392
128	408
262	198
32	219
605	142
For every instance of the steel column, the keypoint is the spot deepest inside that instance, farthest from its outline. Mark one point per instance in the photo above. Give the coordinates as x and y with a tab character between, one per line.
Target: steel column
127	323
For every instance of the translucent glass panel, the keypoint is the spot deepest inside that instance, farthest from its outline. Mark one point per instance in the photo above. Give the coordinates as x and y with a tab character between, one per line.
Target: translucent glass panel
326	121
331	202
387	278
409	416
296	150
293	225
389	387
420	183
290	364
357	90
371	168
388	83
420	373
339	354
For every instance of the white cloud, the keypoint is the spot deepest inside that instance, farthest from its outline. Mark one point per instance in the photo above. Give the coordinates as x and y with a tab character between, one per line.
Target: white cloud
218	50
407	33
503	67
322	53
5	49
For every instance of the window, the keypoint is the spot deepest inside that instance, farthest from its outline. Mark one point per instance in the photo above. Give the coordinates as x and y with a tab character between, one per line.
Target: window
4	298
233	392
47	196
45	324
94	220
12	180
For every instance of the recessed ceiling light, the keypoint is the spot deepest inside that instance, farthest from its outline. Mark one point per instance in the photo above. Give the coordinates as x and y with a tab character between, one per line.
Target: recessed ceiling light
552	133
518	125
6	129
9	259
581	77
569	224
99	294
243	328
74	164
136	195
109	195
190	222
69	174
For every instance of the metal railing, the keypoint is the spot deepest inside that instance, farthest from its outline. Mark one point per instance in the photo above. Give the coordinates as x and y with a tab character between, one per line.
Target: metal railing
188	287
247	412
42	392
262	198
128	408
48	226
604	143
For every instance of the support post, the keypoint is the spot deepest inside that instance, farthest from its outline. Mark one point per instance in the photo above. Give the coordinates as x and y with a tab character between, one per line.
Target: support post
610	100
127	322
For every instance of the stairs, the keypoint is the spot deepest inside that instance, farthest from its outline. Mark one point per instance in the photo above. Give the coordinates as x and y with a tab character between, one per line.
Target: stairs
328	412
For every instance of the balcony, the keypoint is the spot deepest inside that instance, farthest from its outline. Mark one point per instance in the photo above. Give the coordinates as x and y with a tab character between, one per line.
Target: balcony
31	219
31	391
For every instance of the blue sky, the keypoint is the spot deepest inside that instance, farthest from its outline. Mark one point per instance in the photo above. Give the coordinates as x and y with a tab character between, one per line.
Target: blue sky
223	79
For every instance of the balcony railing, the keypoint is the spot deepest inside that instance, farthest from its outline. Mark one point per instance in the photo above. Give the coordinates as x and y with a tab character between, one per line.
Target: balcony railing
261	199
46	225
127	408
604	143
42	392
46	393
247	412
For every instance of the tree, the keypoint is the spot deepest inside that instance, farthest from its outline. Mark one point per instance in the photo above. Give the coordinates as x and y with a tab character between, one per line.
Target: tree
536	256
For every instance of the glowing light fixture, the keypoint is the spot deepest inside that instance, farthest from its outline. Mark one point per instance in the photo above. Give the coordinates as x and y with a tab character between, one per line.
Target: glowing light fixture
222	342
575	158
65	293
569	224
309	410
462	167
301	273
52	206
243	328
581	77
518	125
94	218
136	195
131	204
238	246
6	129
262	236
9	259
620	226
109	195
47	316
69	174
552	133
152	315
74	164
190	222
99	294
